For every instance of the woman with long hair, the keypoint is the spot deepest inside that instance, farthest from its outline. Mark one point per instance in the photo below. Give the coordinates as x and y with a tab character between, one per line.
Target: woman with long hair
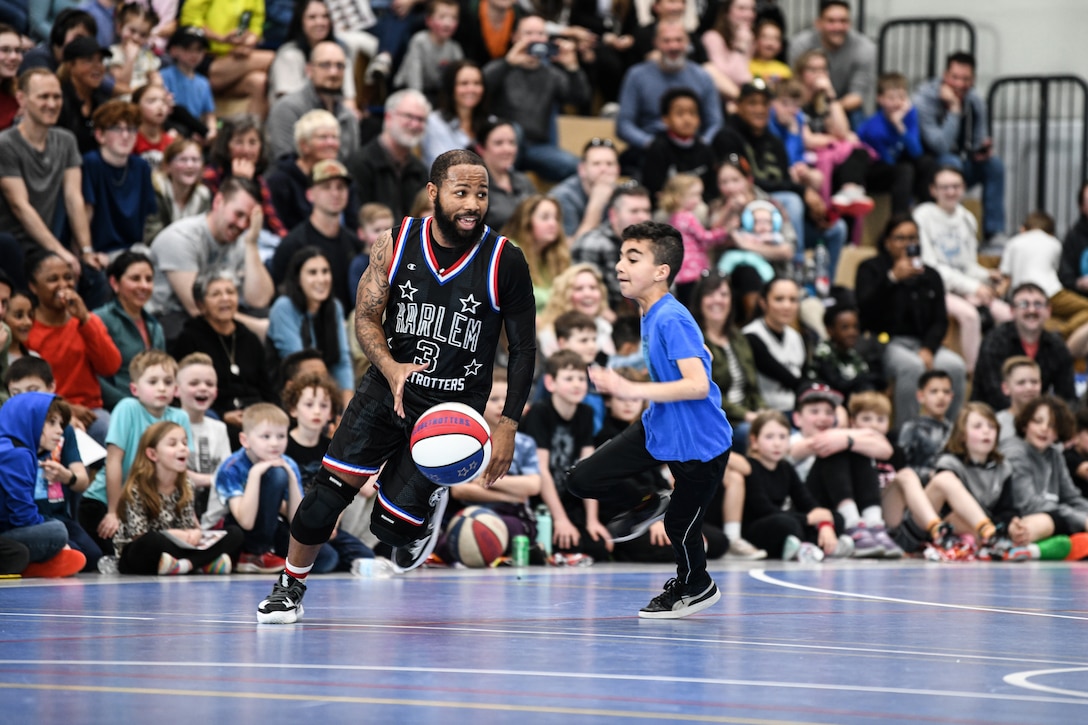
729	46
462	108
536	226
308	315
159	533
579	288
179	190
732	366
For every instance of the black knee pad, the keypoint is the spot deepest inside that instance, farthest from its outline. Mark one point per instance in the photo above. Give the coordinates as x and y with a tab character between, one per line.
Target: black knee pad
394	526
320	508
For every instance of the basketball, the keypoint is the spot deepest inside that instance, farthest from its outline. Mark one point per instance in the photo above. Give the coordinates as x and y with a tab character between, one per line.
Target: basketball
476	537
451	444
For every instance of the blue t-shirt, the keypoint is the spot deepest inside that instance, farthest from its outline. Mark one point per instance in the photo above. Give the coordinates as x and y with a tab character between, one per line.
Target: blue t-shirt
683	430
230	479
794	143
122	197
193	93
128	421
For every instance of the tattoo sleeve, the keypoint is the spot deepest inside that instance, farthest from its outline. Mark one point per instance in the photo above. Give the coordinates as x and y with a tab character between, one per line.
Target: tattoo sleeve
370	303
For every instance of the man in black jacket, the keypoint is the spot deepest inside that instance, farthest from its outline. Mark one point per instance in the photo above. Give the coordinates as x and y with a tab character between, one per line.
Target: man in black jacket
1024	335
746	136
387	170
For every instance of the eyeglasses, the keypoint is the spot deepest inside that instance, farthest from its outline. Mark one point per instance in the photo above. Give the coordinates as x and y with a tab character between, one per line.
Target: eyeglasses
1030	305
411	117
121	129
904	237
597	142
948	187
331	64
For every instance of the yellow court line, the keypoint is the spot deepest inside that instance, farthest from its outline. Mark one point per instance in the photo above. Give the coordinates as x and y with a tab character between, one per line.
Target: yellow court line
679	717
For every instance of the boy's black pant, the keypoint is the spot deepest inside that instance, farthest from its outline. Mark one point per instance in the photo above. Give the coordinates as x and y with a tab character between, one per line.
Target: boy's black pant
841	476
604	476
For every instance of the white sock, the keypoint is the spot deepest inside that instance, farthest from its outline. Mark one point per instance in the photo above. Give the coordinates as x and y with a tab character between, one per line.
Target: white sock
873	517
732	530
851	517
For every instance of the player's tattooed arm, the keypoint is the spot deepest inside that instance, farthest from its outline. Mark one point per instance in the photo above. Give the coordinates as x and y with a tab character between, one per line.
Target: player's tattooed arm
370	302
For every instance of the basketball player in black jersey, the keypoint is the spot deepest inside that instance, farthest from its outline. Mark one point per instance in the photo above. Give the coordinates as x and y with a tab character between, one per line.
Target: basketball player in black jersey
428	315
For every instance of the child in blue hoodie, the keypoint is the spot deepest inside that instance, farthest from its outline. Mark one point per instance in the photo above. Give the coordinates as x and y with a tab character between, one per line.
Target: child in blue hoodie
30	424
893	133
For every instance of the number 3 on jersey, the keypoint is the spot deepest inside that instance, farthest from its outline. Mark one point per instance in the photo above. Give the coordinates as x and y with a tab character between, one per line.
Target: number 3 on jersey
428	355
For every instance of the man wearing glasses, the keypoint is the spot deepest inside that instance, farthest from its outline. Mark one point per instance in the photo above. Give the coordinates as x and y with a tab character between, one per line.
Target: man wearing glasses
117	186
324	89
1024	335
387	170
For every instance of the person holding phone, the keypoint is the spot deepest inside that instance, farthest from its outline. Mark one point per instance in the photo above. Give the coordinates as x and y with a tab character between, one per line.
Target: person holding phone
901	300
234	65
952	121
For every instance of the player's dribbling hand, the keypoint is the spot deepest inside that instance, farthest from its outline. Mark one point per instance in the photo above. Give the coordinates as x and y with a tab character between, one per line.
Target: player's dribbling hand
502	451
399	375
566	534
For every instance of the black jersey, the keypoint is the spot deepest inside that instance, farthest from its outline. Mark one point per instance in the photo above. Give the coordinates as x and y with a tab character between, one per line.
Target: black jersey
445	309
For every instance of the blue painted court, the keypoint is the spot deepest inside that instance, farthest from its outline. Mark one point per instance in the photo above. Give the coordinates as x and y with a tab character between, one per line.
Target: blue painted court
849	642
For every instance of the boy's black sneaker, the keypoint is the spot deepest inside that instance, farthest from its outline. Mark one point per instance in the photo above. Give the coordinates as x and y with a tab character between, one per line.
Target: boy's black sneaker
284	604
406	558
634	523
679	601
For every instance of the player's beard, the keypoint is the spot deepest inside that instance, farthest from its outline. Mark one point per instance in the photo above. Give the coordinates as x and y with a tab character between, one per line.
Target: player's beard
453	233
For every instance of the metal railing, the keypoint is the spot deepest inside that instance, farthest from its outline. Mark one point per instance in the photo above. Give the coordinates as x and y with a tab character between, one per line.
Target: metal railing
917	47
1039	130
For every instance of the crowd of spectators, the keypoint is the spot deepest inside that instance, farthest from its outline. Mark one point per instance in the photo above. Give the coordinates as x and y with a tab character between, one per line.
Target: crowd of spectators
153	249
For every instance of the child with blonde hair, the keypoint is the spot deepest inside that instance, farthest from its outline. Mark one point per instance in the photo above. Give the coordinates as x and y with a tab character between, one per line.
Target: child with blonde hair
680	198
159	533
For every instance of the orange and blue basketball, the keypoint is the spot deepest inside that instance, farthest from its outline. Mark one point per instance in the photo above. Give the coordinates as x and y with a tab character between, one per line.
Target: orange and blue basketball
476	537
451	444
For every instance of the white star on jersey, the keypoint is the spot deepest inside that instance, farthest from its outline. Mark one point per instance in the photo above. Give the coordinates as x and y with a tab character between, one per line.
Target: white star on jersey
473	368
408	291
469	304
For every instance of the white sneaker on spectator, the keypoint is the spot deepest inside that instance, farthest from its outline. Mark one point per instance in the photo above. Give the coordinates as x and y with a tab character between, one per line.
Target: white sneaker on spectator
744	550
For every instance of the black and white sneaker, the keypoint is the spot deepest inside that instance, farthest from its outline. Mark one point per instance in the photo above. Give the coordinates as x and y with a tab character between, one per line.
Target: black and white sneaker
678	601
634	523
406	558
284	604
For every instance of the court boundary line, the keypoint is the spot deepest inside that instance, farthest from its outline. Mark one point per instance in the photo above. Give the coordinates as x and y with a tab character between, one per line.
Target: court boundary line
618	677
762	576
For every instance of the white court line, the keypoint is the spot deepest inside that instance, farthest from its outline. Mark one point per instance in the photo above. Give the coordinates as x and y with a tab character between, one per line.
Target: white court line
74	616
1023	679
773	684
761	575
550	633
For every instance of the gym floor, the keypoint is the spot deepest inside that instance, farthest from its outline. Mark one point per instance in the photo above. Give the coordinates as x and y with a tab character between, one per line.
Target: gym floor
845	642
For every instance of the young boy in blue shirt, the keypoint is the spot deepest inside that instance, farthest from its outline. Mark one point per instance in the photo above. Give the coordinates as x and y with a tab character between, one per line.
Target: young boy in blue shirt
684	426
893	133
